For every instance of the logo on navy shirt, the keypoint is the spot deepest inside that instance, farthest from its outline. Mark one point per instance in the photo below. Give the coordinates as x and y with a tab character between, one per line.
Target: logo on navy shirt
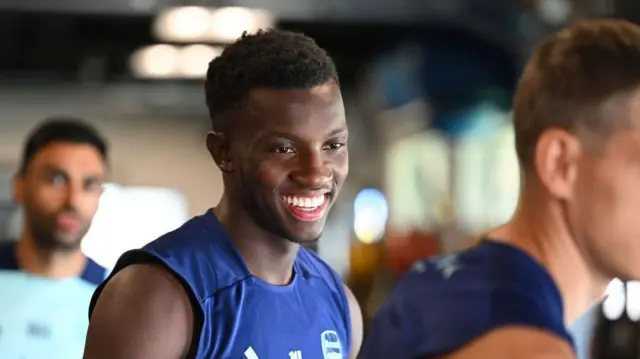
331	346
447	265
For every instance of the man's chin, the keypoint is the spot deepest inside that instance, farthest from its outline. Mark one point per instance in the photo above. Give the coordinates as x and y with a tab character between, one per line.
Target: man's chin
58	246
66	242
305	233
303	240
66	246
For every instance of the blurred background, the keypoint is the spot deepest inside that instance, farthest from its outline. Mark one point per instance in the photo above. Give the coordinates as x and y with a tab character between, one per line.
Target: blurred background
427	86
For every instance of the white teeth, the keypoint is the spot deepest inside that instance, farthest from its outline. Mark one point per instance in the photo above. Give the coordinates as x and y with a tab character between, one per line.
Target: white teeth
307	203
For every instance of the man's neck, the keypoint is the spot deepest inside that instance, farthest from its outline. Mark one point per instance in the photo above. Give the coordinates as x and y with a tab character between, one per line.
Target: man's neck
49	263
267	257
539	228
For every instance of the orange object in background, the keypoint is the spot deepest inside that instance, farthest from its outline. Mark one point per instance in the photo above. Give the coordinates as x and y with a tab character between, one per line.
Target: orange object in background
364	260
401	251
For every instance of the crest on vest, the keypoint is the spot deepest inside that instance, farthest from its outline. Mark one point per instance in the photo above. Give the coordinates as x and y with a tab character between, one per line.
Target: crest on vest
331	345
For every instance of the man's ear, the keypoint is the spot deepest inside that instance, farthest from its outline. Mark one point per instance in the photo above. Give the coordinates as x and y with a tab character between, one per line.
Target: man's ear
220	151
557	159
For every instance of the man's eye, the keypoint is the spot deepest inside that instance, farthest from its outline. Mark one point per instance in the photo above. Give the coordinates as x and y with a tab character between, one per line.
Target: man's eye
93	186
335	146
284	150
57	179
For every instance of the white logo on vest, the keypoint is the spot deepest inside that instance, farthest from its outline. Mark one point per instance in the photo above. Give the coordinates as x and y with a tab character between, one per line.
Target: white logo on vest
331	346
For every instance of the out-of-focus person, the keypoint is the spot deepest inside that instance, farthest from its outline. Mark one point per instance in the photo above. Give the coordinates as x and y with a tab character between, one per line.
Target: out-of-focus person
46	282
576	115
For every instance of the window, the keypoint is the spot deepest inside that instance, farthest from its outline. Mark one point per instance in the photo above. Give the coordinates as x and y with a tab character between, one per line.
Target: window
130	217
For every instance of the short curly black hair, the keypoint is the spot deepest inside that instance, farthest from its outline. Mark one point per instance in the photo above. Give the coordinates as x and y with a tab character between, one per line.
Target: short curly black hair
271	58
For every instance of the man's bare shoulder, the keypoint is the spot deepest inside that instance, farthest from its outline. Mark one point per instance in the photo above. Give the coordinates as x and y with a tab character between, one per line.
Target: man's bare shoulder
141	301
515	342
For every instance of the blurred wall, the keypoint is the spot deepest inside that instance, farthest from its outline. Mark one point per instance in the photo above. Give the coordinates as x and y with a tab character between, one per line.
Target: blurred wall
145	151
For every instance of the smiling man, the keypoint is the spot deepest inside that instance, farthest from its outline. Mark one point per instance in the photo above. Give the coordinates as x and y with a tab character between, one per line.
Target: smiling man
235	282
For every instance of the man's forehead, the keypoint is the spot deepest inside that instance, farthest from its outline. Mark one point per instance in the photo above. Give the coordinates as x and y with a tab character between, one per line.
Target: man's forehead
279	99
271	108
68	157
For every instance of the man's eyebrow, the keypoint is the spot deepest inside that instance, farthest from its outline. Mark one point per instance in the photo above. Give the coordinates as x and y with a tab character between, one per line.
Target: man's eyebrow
333	133
279	134
53	169
338	131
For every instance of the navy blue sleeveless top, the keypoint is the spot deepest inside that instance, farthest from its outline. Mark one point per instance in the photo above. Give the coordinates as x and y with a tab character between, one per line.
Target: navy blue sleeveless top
446	302
239	315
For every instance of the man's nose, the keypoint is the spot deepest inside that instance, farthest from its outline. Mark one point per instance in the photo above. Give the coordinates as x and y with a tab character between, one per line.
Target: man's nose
313	171
74	194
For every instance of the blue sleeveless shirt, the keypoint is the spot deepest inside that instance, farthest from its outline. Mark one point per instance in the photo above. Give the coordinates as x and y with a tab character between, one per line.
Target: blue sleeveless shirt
240	316
444	303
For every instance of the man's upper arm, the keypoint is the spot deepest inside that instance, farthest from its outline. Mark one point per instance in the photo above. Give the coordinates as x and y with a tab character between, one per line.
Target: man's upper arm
515	342
143	312
356	323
